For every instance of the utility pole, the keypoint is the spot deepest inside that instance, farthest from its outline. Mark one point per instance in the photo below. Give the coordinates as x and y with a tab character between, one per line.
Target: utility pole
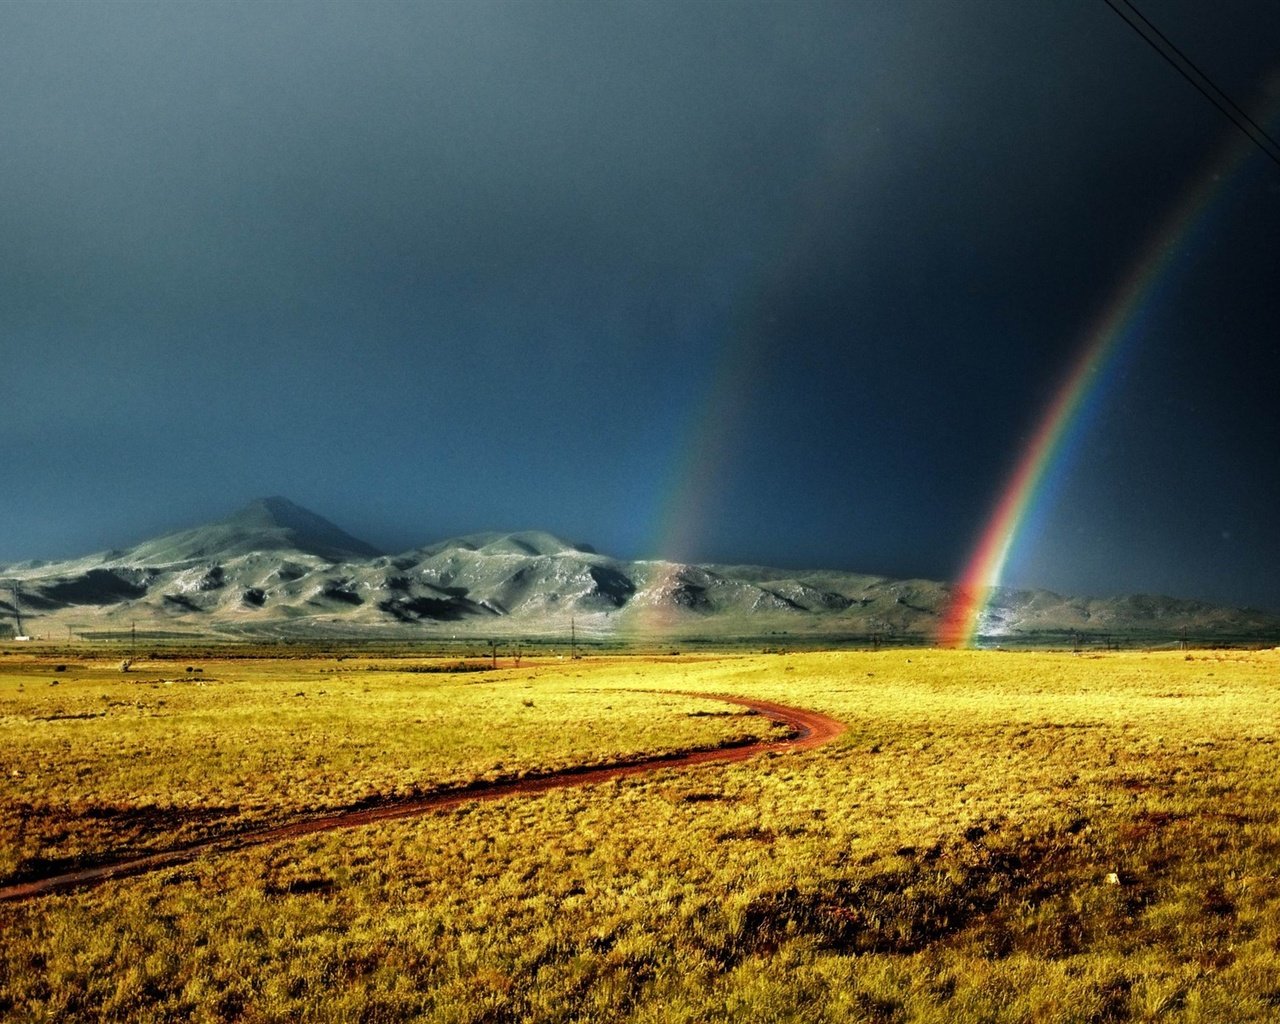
17	610
573	640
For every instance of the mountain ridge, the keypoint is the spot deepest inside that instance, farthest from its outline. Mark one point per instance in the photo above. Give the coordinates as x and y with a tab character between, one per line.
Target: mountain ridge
265	524
275	568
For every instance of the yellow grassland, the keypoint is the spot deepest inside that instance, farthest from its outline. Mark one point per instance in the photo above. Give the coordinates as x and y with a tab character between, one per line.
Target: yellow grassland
95	763
998	837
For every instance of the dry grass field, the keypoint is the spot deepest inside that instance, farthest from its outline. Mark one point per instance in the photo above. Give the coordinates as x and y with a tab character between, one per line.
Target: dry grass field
997	837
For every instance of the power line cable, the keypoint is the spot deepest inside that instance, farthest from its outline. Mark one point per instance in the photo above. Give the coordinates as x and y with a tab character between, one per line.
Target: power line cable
1225	105
1192	65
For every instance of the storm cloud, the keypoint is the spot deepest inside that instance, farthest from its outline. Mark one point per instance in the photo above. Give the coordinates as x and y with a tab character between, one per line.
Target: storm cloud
434	268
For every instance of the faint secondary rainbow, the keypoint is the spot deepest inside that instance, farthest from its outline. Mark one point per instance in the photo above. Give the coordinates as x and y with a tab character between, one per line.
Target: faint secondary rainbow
704	455
698	473
1064	420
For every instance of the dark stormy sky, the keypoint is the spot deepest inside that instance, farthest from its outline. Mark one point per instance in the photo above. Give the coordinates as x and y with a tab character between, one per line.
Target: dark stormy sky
784	283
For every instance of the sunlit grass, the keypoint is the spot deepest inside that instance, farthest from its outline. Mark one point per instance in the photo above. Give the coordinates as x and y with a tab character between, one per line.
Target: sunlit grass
97	763
999	837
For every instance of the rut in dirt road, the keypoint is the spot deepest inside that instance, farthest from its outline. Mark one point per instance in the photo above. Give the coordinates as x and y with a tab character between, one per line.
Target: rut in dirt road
808	729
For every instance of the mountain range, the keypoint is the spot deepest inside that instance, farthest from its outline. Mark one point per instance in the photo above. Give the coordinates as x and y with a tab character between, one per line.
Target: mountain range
276	570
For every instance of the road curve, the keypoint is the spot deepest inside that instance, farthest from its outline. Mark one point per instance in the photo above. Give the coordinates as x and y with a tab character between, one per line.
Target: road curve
808	729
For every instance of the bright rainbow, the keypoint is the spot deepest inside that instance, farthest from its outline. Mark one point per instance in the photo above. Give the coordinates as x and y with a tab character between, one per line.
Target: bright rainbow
1065	419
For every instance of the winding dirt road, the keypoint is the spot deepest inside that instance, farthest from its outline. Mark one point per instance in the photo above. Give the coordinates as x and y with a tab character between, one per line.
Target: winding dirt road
808	729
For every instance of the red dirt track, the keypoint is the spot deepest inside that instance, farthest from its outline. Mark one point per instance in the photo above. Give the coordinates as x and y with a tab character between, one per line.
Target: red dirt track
808	729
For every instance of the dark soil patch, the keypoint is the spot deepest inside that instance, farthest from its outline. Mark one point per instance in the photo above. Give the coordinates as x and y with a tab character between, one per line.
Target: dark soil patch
988	887
300	886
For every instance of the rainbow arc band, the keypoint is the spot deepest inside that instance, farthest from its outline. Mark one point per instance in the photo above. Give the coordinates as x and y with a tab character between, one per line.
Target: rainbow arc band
1066	419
